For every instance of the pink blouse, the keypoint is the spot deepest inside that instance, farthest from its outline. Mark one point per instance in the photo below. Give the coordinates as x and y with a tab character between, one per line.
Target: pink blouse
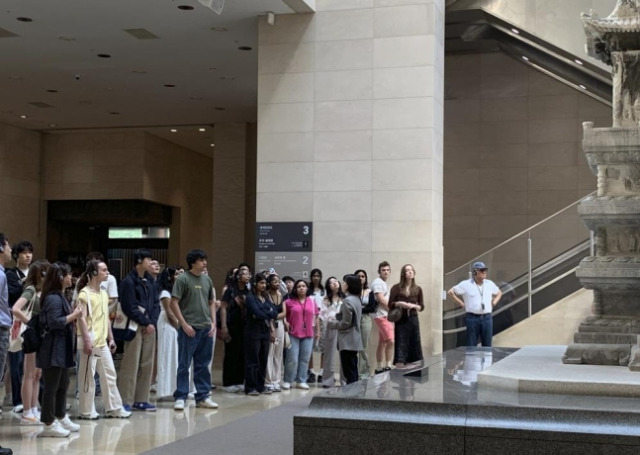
300	317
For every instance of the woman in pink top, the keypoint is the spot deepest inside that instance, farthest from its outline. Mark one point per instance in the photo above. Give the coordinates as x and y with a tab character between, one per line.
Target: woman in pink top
303	326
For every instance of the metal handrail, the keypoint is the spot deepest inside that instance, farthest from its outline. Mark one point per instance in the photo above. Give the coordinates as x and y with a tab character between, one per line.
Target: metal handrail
520	234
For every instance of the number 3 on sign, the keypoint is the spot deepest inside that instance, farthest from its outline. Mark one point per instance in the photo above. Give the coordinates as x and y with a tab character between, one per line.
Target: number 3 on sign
305	260
305	230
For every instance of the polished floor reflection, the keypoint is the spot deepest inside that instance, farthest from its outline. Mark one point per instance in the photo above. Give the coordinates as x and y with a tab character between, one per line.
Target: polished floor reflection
142	431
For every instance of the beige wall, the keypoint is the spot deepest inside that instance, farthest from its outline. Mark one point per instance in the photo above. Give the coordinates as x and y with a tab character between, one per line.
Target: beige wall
230	182
20	183
134	165
349	134
179	177
512	141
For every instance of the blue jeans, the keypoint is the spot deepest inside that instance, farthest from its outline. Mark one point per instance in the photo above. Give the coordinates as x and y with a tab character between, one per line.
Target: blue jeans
199	349
4	348
479	328
295	369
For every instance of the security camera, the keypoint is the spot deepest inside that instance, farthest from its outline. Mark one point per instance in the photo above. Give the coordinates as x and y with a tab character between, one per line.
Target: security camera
76	77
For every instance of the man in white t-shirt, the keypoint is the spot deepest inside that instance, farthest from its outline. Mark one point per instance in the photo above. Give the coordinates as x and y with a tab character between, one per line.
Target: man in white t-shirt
477	296
380	288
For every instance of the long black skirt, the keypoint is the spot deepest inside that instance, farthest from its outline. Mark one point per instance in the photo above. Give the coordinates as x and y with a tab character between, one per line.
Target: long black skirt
407	344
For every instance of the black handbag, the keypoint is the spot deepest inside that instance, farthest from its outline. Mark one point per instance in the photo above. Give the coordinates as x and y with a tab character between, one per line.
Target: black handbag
395	315
372	304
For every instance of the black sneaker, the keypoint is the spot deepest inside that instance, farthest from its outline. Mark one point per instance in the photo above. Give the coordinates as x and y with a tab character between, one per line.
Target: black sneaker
319	379
311	378
387	368
379	371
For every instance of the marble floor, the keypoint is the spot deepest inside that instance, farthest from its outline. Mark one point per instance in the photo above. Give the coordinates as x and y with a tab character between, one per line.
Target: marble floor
142	431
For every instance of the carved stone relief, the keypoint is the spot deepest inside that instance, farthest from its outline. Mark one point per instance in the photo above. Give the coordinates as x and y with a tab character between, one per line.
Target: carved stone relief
622	240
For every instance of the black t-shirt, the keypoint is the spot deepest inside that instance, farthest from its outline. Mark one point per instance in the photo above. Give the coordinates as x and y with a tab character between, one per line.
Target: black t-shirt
235	312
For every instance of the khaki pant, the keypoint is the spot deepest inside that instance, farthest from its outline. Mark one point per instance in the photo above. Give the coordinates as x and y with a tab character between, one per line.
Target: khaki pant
274	364
134	377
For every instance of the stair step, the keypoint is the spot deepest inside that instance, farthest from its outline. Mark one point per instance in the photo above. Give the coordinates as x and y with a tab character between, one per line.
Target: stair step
605	338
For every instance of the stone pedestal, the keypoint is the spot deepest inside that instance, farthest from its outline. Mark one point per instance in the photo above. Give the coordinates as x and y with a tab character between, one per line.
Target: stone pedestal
478	400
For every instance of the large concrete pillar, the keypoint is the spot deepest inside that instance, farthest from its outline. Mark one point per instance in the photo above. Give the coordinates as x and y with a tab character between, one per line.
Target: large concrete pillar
350	137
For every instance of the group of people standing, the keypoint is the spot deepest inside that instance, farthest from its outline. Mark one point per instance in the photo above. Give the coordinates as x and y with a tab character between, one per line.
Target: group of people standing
259	317
270	327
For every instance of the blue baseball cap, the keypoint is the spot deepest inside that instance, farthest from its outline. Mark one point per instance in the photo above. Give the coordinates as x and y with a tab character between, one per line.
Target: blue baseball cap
479	266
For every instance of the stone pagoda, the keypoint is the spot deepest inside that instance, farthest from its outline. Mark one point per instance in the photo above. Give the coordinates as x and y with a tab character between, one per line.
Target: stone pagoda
610	336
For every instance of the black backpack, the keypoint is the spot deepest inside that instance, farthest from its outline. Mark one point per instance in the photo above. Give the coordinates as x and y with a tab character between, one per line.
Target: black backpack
33	335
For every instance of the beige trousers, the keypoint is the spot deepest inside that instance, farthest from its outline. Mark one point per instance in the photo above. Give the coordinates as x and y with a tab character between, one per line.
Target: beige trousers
274	362
134	377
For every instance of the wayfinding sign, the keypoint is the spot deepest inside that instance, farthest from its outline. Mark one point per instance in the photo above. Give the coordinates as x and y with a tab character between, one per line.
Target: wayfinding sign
285	246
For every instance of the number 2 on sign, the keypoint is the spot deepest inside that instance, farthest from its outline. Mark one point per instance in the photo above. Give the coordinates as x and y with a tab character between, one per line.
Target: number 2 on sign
305	259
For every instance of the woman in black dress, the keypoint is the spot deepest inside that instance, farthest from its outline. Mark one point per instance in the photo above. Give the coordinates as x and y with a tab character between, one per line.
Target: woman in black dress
408	296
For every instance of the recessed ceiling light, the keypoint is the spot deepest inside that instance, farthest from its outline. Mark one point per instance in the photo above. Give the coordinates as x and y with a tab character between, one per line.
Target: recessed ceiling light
52	91
52	125
169	85
104	55
219	29
245	48
173	130
114	113
24	19
525	58
202	130
212	145
516	31
220	108
185	7
582	87
579	62
23	116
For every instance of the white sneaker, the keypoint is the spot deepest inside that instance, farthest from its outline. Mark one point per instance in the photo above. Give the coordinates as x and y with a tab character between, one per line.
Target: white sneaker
178	405
93	415
207	403
55	430
67	424
286	386
29	420
120	413
18	409
303	385
239	387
